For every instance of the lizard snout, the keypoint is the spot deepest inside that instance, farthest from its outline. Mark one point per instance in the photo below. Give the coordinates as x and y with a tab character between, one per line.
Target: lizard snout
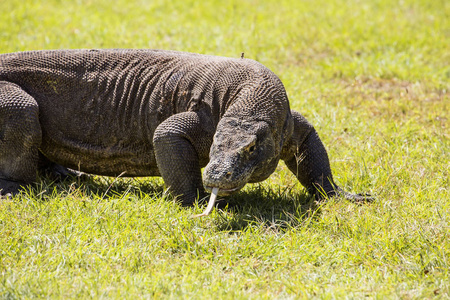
223	175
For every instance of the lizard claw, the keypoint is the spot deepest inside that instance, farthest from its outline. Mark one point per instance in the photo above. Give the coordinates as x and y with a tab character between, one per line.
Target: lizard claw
358	198
355	198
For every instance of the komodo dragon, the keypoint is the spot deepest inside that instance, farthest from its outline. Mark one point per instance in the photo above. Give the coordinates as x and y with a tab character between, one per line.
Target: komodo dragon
153	113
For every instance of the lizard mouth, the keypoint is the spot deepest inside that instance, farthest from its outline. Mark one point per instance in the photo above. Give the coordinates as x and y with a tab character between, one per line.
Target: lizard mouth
224	192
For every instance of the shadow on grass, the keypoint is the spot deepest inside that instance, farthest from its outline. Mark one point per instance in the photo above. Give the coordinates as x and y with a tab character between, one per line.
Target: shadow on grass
97	187
274	209
261	205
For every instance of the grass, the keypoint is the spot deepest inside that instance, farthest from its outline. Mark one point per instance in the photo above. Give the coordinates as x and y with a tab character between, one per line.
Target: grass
372	76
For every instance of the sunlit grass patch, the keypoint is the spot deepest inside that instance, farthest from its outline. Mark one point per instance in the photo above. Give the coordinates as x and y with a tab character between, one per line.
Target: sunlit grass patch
371	76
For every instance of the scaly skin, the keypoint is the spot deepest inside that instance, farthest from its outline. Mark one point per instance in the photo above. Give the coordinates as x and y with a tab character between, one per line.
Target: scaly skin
153	113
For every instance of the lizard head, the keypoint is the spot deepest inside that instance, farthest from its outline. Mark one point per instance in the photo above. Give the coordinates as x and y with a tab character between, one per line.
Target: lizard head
250	136
242	152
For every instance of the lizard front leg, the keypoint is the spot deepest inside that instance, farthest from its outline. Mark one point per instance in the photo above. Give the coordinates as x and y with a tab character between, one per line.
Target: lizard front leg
306	157
182	144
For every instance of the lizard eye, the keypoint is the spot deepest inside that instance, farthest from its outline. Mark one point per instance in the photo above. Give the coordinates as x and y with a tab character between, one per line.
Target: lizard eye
251	149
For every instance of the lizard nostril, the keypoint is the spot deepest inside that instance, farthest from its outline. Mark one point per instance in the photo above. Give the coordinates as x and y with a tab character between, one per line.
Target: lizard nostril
228	175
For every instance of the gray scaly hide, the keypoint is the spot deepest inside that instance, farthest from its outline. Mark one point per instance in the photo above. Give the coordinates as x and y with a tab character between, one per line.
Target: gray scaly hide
153	113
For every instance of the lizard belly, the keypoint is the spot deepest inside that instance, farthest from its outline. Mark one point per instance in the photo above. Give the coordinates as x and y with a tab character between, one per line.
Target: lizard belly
137	159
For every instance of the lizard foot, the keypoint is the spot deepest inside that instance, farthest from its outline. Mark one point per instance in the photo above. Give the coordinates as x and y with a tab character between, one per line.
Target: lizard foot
9	188
355	198
59	173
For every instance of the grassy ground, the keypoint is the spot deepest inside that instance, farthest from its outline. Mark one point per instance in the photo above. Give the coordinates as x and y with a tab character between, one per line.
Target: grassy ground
372	76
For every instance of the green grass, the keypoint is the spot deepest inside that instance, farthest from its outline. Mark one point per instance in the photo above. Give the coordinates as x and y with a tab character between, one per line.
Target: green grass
372	76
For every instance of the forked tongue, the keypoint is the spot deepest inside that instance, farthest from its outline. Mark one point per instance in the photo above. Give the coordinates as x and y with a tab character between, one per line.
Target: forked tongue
212	201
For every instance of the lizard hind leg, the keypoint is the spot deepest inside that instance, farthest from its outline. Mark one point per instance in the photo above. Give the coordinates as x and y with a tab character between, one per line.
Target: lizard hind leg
58	172
20	137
